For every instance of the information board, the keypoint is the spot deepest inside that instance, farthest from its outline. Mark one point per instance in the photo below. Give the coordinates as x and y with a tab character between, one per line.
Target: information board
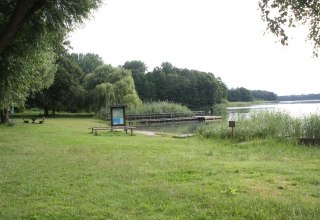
118	115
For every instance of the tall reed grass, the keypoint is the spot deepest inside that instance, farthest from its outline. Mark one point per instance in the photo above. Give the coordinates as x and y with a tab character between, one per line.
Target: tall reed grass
159	107
265	124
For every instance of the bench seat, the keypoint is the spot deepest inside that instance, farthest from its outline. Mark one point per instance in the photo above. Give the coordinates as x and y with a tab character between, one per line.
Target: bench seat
125	128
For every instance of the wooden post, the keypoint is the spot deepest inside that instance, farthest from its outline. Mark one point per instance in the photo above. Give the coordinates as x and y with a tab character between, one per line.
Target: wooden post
232	124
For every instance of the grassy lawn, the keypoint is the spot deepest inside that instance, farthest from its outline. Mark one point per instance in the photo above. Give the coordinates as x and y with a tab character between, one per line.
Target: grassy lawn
57	170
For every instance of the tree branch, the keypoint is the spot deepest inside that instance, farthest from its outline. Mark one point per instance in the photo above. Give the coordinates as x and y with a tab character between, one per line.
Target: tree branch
23	10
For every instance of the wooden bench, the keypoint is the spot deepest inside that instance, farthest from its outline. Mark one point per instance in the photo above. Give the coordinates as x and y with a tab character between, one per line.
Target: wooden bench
95	129
125	128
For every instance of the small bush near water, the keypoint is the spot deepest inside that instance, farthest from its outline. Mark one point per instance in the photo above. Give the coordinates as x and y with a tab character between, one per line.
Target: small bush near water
103	113
265	124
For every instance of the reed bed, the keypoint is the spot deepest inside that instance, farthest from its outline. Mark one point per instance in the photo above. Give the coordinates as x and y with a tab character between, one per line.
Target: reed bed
265	124
159	107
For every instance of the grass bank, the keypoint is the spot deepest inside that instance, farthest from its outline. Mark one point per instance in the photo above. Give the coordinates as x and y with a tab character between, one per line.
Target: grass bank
58	170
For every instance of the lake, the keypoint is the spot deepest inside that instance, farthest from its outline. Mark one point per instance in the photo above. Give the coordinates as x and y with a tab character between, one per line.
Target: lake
294	108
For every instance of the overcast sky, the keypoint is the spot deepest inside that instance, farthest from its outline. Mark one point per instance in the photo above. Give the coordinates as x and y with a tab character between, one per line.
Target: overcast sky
226	38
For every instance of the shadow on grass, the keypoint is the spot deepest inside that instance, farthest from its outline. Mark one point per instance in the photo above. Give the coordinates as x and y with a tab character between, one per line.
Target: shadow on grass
114	133
57	115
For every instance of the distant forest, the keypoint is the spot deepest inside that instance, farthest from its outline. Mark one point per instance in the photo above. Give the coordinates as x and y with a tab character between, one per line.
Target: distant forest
244	95
192	88
83	82
299	97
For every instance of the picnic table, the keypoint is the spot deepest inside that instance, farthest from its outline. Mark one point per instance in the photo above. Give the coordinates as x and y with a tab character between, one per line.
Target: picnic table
33	119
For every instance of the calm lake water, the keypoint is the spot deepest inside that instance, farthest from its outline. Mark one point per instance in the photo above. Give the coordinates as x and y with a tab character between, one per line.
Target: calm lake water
295	108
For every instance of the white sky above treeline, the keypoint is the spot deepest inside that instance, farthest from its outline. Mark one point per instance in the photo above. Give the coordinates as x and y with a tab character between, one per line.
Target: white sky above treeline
226	38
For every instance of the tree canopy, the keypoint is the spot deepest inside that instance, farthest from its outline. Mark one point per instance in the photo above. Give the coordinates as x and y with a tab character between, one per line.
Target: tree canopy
281	14
240	95
40	15
31	33
88	62
264	95
108	85
138	70
192	88
24	73
66	93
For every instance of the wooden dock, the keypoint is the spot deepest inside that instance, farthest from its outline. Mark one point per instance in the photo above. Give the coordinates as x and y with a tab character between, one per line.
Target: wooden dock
169	117
207	118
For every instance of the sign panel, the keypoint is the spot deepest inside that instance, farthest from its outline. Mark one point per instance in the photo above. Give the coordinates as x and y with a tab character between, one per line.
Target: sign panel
118	116
232	124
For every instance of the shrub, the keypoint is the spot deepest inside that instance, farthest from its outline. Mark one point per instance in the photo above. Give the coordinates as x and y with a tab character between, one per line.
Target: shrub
103	113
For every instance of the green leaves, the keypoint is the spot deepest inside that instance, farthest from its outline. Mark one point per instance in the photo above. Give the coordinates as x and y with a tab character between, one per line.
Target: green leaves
109	85
281	15
24	74
88	62
31	33
192	88
240	95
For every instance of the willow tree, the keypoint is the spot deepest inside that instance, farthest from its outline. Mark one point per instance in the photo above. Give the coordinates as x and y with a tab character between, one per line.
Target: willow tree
30	33
283	14
125	92
108	86
103	96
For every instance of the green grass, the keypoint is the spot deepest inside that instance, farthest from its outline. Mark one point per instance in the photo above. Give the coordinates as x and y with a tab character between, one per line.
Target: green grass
58	170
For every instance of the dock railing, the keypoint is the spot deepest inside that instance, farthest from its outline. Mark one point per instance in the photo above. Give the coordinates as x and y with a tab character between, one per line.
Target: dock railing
162	116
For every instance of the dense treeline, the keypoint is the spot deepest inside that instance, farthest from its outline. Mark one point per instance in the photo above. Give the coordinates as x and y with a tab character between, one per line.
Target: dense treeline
192	88
299	97
264	95
84	82
244	95
240	95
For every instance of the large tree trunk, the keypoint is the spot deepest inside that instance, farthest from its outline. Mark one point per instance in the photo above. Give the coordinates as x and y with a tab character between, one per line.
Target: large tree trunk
46	110
4	115
22	11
